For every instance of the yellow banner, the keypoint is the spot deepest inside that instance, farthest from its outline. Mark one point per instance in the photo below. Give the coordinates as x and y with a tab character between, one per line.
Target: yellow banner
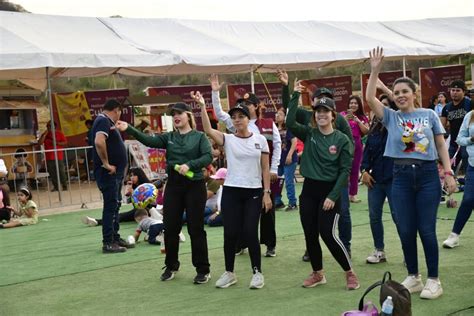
73	111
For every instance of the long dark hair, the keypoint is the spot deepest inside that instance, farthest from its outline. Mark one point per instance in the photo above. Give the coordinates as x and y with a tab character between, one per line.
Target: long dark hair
142	178
359	112
283	124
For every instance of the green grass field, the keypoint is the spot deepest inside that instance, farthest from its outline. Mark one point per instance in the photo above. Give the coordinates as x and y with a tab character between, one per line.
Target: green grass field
57	268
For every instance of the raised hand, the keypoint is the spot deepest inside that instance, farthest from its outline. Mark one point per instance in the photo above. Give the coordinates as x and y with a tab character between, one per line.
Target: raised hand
214	80
376	58
299	86
282	76
197	97
121	125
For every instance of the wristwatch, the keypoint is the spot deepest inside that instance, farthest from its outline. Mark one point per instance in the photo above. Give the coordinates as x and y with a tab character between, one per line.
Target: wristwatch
267	191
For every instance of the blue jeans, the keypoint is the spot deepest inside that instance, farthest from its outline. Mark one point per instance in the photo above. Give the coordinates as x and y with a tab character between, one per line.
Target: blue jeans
416	193
289	172
111	188
345	223
467	204
376	198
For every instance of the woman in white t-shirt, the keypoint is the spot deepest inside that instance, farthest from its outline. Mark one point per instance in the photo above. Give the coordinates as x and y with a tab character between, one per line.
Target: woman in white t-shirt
247	165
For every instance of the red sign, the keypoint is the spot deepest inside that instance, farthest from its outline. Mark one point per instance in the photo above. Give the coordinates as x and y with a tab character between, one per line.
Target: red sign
341	87
183	92
438	79
96	100
271	102
387	78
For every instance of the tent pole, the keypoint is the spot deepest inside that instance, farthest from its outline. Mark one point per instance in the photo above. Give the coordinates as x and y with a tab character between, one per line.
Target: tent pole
404	61
53	131
252	80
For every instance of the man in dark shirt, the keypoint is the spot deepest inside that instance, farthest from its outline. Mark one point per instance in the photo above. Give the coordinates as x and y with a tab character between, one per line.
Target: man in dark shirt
454	113
110	160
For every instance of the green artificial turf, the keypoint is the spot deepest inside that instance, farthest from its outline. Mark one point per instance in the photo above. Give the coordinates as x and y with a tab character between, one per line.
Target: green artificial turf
56	267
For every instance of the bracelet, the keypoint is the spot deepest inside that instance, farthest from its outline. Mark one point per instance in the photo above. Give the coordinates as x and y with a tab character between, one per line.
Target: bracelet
449	173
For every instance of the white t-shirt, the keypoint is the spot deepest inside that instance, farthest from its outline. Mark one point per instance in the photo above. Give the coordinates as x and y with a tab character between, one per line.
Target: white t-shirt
244	169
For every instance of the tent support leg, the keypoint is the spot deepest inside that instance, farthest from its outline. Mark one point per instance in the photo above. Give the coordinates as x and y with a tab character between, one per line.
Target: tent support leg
252	80
53	131
404	61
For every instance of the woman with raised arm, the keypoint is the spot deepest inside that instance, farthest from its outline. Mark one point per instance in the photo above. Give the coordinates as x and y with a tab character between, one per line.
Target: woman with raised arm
325	164
415	142
267	128
247	168
187	152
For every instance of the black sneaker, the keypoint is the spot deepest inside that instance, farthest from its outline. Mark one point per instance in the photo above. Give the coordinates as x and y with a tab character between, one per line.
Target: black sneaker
306	256
270	252
279	206
168	274
112	248
202	278
122	243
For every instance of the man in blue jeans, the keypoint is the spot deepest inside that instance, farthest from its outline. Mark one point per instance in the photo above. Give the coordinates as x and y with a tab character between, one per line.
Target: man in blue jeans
110	161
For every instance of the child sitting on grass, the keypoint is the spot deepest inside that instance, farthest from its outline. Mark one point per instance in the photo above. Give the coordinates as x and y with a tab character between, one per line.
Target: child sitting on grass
28	212
152	226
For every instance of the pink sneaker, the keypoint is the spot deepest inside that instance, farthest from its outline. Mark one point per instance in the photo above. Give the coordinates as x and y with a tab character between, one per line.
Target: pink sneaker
314	279
352	281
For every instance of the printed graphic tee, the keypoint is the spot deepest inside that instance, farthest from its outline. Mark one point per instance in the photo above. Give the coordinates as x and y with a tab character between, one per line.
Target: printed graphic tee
411	135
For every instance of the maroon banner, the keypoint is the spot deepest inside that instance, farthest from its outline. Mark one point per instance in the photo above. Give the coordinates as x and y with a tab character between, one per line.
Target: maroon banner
341	87
183	92
387	78
438	79
96	100
270	102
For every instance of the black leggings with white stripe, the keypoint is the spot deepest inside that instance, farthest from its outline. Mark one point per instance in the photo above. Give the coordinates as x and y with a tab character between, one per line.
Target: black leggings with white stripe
316	221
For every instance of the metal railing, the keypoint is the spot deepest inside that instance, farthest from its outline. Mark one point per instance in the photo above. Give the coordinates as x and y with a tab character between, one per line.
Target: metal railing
81	188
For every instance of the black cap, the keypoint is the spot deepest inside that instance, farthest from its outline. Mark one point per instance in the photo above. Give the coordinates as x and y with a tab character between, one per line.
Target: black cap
325	102
178	107
240	106
323	91
458	83
250	98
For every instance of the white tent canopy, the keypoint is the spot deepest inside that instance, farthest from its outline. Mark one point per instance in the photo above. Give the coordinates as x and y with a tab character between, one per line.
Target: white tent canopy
83	46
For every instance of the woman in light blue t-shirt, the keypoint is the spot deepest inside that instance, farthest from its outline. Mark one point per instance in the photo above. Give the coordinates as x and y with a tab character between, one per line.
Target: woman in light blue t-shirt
415	142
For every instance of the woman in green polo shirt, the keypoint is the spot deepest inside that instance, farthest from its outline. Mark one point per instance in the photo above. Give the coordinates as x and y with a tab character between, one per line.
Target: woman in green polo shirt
186	150
326	163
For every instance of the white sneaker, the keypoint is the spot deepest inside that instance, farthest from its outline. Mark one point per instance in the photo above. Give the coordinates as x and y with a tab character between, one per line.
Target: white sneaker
452	241
376	257
257	281
413	283
89	221
227	279
182	238
432	289
241	251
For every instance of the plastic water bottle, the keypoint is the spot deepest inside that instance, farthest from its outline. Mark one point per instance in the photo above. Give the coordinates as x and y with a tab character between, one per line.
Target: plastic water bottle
387	307
188	174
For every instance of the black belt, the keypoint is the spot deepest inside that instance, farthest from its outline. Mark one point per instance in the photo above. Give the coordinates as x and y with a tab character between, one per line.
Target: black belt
410	162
